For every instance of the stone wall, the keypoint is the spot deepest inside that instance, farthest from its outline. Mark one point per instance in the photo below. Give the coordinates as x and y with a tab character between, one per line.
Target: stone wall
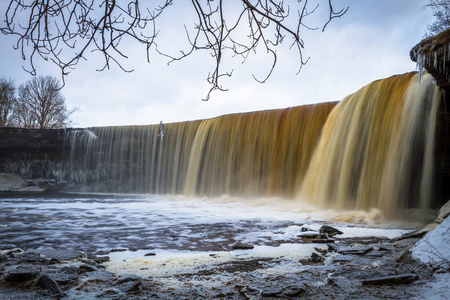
32	153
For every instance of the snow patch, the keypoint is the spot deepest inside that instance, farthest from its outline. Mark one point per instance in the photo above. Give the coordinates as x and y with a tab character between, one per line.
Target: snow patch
434	247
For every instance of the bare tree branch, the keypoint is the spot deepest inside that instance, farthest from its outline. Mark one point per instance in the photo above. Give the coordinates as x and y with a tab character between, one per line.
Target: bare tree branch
64	31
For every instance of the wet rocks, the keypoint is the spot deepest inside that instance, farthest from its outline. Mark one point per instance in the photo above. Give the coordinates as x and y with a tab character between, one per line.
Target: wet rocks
21	273
355	250
394	279
315	257
47	283
60	254
329	231
241	246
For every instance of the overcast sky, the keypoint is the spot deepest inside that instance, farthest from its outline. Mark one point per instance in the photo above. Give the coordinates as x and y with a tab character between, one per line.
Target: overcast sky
371	41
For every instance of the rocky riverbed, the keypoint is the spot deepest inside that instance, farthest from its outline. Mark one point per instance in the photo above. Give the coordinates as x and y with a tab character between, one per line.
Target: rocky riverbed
352	268
88	246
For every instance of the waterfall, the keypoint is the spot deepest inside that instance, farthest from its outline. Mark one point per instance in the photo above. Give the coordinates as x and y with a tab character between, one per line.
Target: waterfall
373	149
376	149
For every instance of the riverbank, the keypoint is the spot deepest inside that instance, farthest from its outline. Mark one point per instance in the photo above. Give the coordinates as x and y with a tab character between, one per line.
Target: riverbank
351	268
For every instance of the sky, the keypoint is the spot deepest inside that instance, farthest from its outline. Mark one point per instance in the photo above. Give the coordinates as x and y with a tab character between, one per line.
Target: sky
371	41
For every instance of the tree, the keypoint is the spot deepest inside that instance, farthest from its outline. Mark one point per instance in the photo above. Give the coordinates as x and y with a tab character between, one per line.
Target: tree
7	102
51	28
41	105
441	11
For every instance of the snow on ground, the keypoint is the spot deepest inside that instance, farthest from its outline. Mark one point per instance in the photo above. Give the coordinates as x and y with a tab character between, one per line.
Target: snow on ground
434	248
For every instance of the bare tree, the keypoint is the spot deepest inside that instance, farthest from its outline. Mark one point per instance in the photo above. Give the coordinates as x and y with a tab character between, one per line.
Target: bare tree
41	105
441	11
51	28
7	102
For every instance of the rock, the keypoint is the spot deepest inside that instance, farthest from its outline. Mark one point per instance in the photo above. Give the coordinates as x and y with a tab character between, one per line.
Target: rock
332	247
106	293
150	254
86	268
130	287
21	274
418	233
271	292
62	278
394	279
355	250
60	254
317	257
11	182
386	248
99	259
322	241
432	54
118	250
49	284
127	278
240	246
343	258
99	276
295	290
309	235
443	213
330	231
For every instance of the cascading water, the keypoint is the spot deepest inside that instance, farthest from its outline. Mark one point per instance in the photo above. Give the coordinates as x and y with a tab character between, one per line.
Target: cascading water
373	149
376	149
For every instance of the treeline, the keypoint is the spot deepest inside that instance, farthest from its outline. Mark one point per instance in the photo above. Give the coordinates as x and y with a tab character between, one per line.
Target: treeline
37	103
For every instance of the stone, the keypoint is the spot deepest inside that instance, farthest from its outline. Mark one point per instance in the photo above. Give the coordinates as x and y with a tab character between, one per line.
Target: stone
21	274
271	292
355	250
240	246
443	213
343	258
130	287
386	248
99	276
99	259
322	241
418	233
60	254
86	268
394	279
62	278
315	257
47	283
330	231
11	182
295	290
309	235
150	254
127	278
432	54
118	250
